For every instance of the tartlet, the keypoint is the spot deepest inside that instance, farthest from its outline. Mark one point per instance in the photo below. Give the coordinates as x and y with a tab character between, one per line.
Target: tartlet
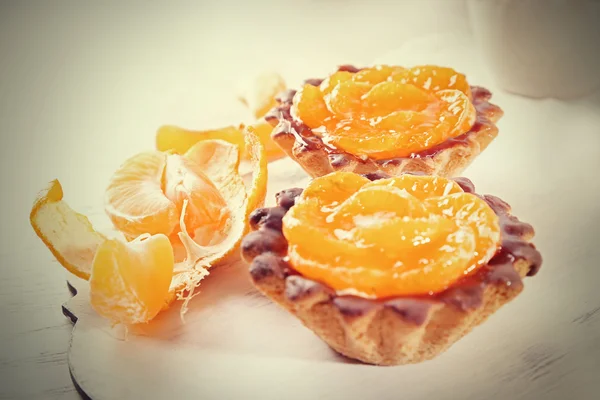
318	155
389	329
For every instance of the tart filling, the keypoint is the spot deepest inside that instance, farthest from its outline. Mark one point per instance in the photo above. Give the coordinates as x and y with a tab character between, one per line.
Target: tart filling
385	112
363	152
500	242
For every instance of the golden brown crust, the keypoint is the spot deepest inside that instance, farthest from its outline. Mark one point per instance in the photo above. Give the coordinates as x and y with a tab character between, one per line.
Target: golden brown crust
400	330
448	159
388	333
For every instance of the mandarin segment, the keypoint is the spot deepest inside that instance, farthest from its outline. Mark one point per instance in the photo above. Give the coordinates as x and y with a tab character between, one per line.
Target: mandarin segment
335	188
477	216
386	97
394	236
377	74
331	241
130	281
407	235
372	205
309	106
458	110
333	80
421	187
346	97
434	78
134	199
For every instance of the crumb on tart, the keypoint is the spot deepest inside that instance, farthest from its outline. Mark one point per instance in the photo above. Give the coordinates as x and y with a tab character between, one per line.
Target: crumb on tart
389	270
422	119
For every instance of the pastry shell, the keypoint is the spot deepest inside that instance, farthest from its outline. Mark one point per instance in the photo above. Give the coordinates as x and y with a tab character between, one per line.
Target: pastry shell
393	331
449	158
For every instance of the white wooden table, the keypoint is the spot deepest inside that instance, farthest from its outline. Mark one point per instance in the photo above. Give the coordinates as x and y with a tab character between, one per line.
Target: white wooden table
83	86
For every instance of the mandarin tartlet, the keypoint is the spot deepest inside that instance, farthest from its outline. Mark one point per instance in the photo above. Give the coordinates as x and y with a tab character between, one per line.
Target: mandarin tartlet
389	270
423	119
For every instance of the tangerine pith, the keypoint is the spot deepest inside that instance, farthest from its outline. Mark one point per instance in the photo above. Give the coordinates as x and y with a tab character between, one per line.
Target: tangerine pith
408	235
385	112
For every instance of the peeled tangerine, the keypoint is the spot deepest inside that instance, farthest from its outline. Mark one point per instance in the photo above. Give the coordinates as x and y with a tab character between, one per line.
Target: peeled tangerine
385	112
160	202
408	235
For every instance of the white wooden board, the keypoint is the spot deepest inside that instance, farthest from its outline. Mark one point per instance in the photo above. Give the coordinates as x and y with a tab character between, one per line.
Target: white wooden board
235	344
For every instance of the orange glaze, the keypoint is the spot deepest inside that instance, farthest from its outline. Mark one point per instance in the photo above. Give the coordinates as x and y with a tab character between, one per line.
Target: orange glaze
385	112
407	235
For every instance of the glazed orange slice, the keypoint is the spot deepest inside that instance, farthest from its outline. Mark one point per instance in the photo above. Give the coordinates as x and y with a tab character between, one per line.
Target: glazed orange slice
408	235
385	112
